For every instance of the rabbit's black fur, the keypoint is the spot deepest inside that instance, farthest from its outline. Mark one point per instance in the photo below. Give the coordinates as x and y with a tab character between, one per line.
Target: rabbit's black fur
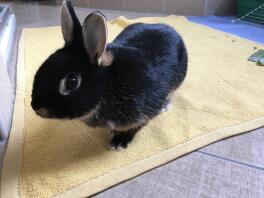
149	61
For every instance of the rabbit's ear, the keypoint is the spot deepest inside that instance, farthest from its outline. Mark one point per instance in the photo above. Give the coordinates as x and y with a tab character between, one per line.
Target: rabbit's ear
70	25
94	31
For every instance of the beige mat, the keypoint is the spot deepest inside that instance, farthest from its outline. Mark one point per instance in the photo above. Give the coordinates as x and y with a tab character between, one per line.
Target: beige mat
222	96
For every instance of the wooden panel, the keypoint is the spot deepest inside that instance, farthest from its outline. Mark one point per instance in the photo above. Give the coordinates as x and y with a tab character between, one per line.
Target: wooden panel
107	4
221	7
185	7
144	6
80	3
178	7
58	2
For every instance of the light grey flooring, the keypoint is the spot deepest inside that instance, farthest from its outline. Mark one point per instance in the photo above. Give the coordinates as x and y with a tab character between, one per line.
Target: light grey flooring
230	168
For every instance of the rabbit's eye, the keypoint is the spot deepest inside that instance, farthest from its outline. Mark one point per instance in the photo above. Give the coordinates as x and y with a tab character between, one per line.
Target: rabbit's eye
70	83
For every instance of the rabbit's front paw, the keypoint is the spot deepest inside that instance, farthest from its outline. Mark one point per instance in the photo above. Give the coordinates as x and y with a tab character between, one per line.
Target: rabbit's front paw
119	140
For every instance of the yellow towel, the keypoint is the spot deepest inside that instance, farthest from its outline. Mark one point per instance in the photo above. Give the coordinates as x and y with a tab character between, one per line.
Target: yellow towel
222	96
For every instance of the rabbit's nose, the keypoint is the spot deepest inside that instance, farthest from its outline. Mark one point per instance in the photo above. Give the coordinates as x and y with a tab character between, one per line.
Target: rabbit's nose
34	107
43	112
36	104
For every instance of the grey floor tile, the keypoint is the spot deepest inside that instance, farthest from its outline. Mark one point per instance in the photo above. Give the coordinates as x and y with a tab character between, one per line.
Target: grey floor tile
247	148
194	175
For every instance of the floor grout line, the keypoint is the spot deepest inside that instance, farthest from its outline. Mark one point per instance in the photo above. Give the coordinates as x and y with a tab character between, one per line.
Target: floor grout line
230	160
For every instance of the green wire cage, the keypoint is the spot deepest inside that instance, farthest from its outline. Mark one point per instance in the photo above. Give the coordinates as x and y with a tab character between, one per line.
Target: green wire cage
251	10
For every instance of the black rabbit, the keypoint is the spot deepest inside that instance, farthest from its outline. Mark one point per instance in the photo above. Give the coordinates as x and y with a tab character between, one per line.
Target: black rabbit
120	85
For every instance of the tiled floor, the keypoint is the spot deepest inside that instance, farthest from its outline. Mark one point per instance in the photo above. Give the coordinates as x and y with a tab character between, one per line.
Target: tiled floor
231	168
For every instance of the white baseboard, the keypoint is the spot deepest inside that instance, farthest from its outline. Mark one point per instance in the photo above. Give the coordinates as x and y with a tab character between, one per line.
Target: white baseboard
7	38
